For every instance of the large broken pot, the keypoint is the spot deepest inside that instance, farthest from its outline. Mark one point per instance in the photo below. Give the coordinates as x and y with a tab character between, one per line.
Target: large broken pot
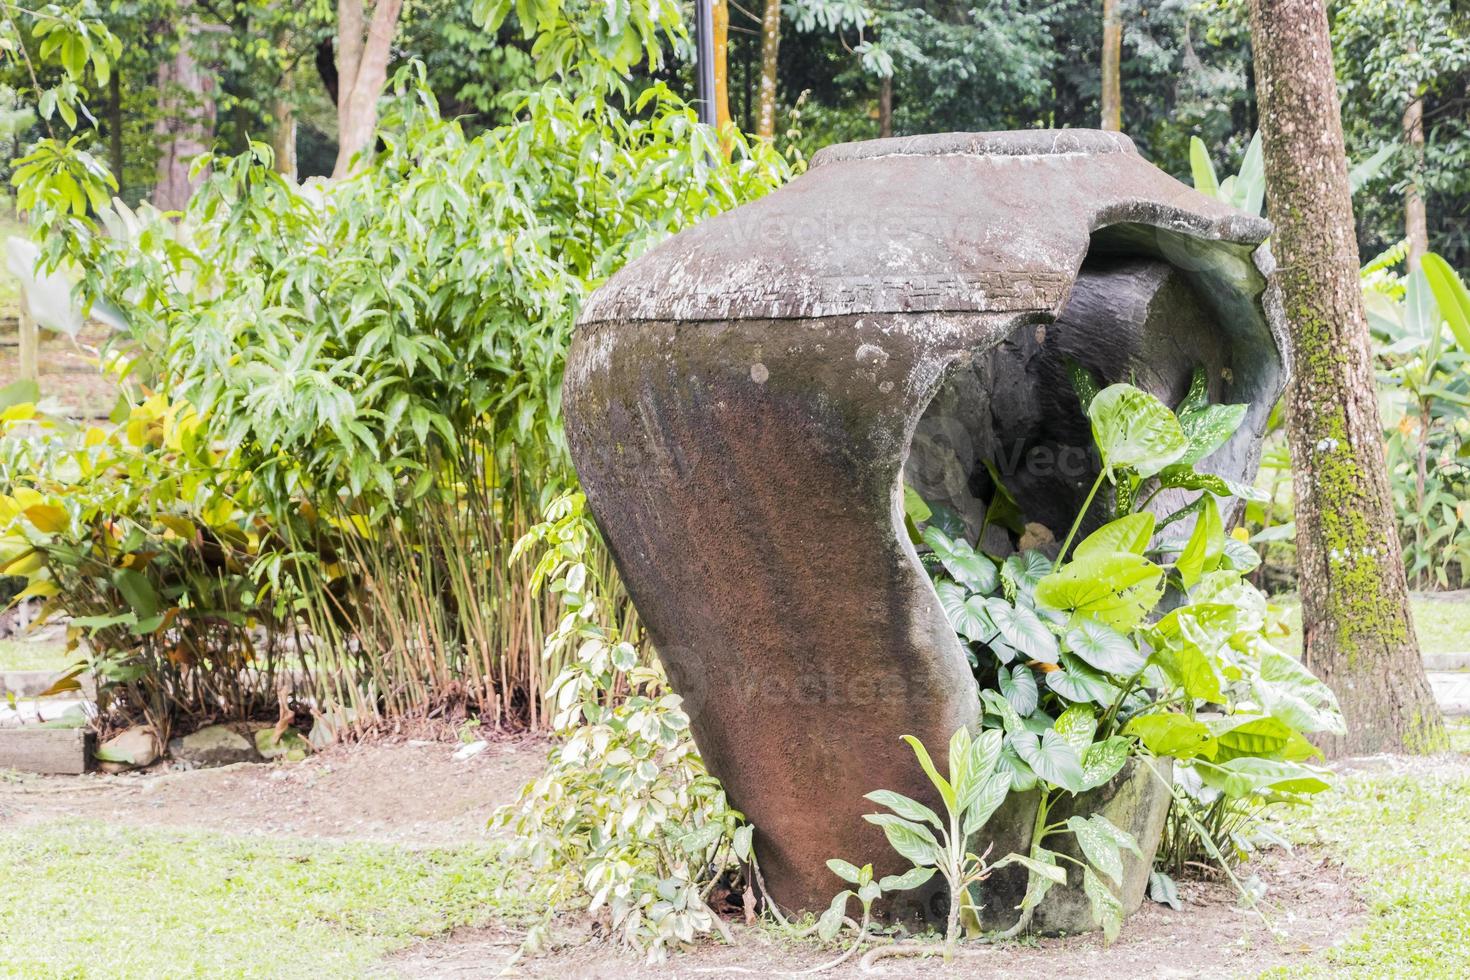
742	403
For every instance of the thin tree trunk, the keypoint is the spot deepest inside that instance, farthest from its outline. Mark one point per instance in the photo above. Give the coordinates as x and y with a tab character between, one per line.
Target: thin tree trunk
185	123
1416	219
1359	637
362	71
283	139
115	159
721	11
885	107
770	49
1112	67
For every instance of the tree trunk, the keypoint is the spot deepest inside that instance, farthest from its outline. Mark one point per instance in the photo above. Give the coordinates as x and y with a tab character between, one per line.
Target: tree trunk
283	139
1112	67
362	71
1359	637
885	107
1416	219
721	11
115	160
185	123
770	49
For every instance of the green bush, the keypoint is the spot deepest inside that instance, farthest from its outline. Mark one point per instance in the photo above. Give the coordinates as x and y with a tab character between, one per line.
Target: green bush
383	355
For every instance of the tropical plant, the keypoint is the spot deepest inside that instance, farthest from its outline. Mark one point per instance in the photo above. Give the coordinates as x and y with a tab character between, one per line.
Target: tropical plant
1082	664
145	533
625	818
390	381
974	789
1426	397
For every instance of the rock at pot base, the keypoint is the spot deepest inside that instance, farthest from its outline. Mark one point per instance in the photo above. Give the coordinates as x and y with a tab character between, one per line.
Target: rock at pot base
1135	800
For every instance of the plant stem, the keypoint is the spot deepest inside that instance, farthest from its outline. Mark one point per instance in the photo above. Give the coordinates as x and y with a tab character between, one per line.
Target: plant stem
1081	515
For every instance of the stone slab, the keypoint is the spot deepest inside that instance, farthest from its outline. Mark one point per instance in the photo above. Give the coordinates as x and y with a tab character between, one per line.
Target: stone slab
49	751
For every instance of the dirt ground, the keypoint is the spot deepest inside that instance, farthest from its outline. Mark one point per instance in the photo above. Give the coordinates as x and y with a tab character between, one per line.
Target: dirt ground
414	792
410	791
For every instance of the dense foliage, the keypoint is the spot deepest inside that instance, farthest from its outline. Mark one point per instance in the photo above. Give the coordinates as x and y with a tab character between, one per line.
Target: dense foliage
382	358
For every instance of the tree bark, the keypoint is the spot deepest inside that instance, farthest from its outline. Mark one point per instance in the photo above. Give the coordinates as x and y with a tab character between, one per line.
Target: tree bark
362	71
1416	218
185	123
115	159
1359	637
721	11
283	138
770	49
1112	67
885	107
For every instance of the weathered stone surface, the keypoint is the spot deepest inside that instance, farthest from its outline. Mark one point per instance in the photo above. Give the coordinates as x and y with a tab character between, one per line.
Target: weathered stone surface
132	748
215	745
1135	800
742	400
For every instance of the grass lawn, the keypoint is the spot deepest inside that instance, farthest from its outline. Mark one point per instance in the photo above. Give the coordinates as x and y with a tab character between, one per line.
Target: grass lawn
1407	836
1443	625
24	655
81	898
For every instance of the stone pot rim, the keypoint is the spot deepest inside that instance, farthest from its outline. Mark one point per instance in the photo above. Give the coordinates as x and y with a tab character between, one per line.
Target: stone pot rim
1002	143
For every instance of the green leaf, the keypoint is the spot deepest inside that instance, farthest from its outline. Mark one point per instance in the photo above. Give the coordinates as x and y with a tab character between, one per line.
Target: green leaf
1104	648
1101	850
19	393
1107	911
1451	296
946	791
1245	776
914	507
1128	534
1249	735
1024	570
998	705
1018	685
1208	429
1043	873
1083	383
1172	735
905	807
966	613
1183	477
909	839
830	924
1133	429
985	752
842	869
1202	169
1161	889
992	792
1023	778
1289	691
137	591
970	568
1050	757
1206	544
1117	589
1078	682
1076	726
910	879
1023	631
1103	760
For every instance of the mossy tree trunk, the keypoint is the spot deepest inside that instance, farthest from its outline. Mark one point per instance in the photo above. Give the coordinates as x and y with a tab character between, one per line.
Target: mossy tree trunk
1359	637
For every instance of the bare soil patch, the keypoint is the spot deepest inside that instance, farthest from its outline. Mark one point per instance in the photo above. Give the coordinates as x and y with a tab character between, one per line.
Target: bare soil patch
1309	904
409	791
